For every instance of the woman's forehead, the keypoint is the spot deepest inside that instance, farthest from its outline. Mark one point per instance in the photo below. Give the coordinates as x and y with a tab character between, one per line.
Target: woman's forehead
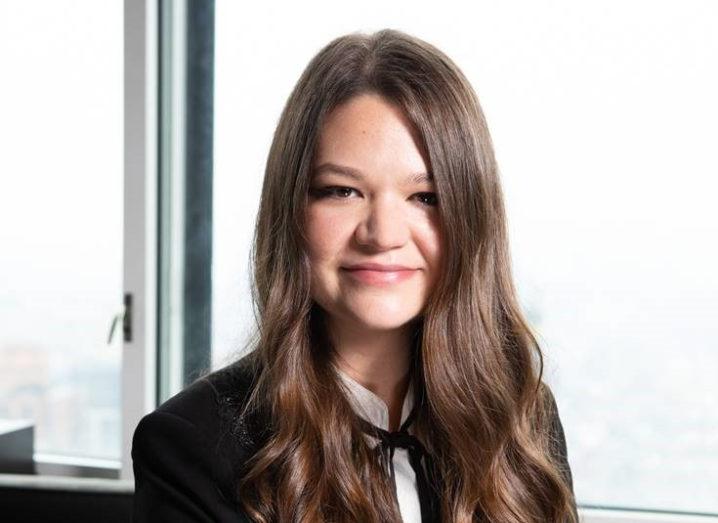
366	134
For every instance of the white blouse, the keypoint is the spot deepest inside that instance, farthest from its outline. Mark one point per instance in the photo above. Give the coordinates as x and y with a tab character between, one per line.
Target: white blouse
373	409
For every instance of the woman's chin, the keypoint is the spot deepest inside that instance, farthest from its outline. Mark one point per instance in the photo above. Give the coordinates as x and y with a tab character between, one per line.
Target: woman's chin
383	322
384	314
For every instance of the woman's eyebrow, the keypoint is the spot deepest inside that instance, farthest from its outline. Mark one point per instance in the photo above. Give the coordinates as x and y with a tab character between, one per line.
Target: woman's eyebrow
355	174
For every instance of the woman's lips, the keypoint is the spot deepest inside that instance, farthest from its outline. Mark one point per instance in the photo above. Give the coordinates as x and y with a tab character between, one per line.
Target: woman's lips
373	277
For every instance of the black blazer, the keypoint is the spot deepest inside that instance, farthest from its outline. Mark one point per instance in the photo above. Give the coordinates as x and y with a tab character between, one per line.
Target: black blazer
187	454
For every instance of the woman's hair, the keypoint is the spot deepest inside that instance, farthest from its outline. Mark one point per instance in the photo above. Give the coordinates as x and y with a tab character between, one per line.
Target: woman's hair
476	362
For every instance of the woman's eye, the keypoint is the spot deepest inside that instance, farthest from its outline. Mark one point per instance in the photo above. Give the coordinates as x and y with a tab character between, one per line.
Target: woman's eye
428	198
337	192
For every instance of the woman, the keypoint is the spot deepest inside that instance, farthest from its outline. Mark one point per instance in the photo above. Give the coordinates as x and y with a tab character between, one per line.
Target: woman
393	377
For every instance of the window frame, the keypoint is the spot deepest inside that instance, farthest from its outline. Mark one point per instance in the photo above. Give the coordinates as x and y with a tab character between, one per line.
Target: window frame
139	351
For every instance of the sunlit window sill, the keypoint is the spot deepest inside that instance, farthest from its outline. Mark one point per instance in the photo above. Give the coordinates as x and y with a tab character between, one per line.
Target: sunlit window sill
74	466
606	515
66	484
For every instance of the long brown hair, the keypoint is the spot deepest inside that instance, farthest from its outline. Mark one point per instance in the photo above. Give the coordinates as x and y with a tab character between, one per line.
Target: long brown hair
477	362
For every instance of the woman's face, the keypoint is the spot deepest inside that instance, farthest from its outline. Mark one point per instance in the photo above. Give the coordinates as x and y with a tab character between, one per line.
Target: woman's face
371	202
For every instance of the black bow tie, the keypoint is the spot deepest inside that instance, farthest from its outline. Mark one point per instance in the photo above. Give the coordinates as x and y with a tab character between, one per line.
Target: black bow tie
426	484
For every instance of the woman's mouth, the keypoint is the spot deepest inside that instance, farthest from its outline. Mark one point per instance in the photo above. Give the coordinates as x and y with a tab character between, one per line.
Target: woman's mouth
376	277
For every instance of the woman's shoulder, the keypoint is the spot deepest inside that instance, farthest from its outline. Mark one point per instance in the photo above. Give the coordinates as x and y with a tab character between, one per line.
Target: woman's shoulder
557	436
207	397
214	404
199	434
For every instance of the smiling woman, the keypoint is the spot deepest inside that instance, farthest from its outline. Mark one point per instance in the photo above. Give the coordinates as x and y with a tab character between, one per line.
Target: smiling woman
394	377
379	234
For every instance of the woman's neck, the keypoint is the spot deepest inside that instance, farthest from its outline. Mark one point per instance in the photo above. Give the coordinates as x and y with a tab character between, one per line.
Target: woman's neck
380	362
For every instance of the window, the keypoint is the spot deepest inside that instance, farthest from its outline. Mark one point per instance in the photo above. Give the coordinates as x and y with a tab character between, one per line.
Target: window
61	224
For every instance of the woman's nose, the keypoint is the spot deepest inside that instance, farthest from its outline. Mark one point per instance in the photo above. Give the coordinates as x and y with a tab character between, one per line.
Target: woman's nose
384	225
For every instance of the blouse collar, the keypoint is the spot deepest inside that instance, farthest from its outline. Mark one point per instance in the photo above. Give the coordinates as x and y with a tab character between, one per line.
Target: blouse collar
370	406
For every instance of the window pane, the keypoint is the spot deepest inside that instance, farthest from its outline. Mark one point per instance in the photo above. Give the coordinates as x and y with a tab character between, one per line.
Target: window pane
61	222
603	118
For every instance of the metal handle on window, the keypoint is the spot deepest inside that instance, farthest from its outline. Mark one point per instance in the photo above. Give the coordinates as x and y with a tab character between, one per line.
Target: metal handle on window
126	317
